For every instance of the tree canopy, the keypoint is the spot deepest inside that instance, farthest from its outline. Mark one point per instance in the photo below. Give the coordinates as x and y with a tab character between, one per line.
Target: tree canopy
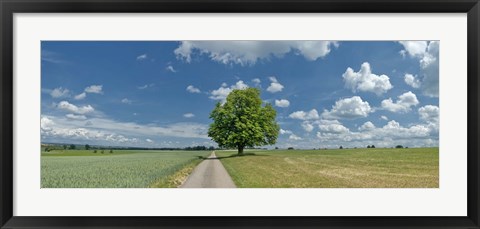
242	121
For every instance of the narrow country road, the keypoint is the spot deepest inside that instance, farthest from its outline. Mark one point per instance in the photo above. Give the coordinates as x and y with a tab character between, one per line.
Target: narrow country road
210	173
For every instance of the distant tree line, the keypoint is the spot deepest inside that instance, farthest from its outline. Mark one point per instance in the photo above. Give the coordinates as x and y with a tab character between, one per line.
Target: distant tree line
50	147
196	148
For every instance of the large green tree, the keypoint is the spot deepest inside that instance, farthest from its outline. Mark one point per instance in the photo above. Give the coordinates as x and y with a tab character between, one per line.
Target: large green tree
242	121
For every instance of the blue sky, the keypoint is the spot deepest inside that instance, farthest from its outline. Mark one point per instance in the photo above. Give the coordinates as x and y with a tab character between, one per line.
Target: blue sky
160	94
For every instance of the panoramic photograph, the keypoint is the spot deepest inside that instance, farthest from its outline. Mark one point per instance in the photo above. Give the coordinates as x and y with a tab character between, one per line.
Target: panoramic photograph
239	114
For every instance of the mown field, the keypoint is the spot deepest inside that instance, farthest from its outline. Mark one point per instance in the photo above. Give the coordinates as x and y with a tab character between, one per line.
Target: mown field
120	169
346	168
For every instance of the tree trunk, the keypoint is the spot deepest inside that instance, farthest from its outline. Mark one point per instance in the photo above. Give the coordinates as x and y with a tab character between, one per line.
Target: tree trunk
240	150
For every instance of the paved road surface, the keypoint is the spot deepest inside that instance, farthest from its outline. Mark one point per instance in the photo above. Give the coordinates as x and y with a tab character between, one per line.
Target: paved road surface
210	173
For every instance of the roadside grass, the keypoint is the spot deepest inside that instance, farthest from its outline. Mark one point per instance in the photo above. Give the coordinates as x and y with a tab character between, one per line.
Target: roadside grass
129	169
178	178
347	168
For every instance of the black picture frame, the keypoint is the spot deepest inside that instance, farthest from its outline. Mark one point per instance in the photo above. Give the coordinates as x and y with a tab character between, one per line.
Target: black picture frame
9	7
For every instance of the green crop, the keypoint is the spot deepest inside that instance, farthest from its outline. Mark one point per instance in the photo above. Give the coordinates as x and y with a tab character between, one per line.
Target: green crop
127	169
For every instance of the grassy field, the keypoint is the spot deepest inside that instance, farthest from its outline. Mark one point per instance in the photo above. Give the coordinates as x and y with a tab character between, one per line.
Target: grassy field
120	169
347	168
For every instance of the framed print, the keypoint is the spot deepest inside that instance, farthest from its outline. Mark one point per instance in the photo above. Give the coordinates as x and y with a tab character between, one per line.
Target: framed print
239	114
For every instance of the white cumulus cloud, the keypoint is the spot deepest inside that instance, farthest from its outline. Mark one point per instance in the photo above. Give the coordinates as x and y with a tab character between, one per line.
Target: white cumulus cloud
348	108
430	69
427	52
126	101
307	126
412	80
429	113
46	123
170	69
302	115
80	96
188	115
367	126
222	92
256	81
414	48
403	103
107	131
387	136
59	93
96	89
142	57
193	89
76	117
66	106
282	103
282	131
249	52
275	86
365	80
294	137
332	126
